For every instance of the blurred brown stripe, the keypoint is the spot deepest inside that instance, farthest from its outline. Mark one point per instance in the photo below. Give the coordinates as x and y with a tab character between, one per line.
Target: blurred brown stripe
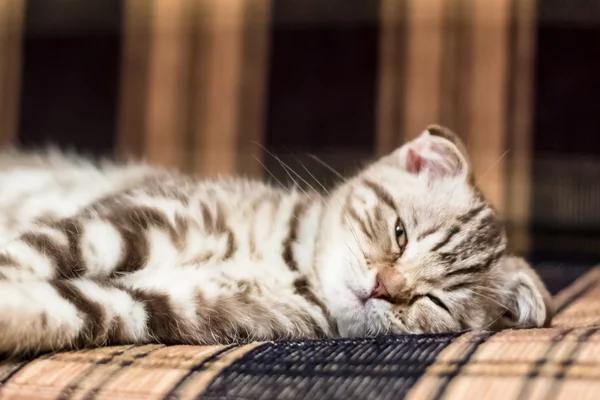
423	65
155	75
230	69
217	85
193	82
11	36
456	66
168	80
134	76
519	117
392	69
466	64
488	96
254	80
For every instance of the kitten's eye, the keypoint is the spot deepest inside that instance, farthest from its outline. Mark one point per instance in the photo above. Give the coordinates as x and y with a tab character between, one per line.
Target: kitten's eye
438	302
400	234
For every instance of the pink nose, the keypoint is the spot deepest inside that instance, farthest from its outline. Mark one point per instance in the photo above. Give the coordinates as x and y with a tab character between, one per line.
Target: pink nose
379	291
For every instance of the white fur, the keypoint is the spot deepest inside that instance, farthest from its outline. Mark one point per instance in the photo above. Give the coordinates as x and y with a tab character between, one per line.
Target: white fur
101	247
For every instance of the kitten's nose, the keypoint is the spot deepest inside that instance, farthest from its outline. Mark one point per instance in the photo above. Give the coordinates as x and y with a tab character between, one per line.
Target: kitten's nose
379	291
391	286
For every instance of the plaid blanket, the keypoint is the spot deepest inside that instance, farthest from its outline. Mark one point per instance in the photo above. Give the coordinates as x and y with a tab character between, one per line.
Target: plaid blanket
556	363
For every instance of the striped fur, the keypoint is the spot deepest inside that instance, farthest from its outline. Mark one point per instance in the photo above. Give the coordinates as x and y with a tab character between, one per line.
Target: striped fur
109	254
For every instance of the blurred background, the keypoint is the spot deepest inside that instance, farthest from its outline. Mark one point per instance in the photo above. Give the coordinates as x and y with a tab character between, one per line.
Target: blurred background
219	86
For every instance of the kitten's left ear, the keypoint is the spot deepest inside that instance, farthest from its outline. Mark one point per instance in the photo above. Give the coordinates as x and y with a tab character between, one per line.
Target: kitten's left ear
438	152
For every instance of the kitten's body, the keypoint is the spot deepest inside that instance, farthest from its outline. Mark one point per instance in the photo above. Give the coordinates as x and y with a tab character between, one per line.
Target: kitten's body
132	254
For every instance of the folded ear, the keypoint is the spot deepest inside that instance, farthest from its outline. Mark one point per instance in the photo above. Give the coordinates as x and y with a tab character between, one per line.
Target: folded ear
528	302
437	152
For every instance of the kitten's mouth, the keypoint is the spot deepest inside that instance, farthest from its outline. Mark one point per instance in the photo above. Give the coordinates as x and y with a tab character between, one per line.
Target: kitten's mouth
379	291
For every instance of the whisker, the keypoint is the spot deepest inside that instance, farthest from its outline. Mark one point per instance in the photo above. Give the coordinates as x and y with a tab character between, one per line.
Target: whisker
300	177
326	191
492	167
492	300
500	314
272	175
329	167
355	236
286	168
493	290
345	214
314	177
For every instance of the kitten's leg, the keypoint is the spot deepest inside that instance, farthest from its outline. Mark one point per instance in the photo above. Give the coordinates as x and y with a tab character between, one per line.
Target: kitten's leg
62	314
121	240
182	306
40	316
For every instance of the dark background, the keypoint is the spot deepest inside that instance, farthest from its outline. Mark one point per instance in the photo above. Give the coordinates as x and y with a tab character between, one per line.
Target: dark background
79	59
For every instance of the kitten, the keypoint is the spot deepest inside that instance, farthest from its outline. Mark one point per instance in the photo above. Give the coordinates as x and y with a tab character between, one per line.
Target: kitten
99	255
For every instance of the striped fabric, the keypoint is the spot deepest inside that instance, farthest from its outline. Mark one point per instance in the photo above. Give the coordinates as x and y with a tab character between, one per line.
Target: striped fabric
562	361
202	85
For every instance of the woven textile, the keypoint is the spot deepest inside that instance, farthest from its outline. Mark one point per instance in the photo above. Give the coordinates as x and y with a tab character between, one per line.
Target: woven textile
201	85
560	362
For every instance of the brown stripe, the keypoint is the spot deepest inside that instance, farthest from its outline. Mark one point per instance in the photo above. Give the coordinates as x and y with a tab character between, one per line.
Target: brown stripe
7	260
363	226
489	231
207	217
471	214
132	223
457	286
216	224
162	321
92	313
73	230
222	228
381	193
60	256
200	259
374	219
147	217
429	232
231	245
118	332
136	249
135	253
303	288
451	233
220	224
469	270
290	240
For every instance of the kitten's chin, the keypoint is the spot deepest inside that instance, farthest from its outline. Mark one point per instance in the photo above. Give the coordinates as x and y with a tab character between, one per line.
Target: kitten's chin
360	318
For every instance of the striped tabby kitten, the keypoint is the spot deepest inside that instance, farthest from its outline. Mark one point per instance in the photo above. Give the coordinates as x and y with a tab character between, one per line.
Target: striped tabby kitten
98	255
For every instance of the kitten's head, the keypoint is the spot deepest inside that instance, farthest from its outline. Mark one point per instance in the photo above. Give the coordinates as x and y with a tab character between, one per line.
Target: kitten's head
411	245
